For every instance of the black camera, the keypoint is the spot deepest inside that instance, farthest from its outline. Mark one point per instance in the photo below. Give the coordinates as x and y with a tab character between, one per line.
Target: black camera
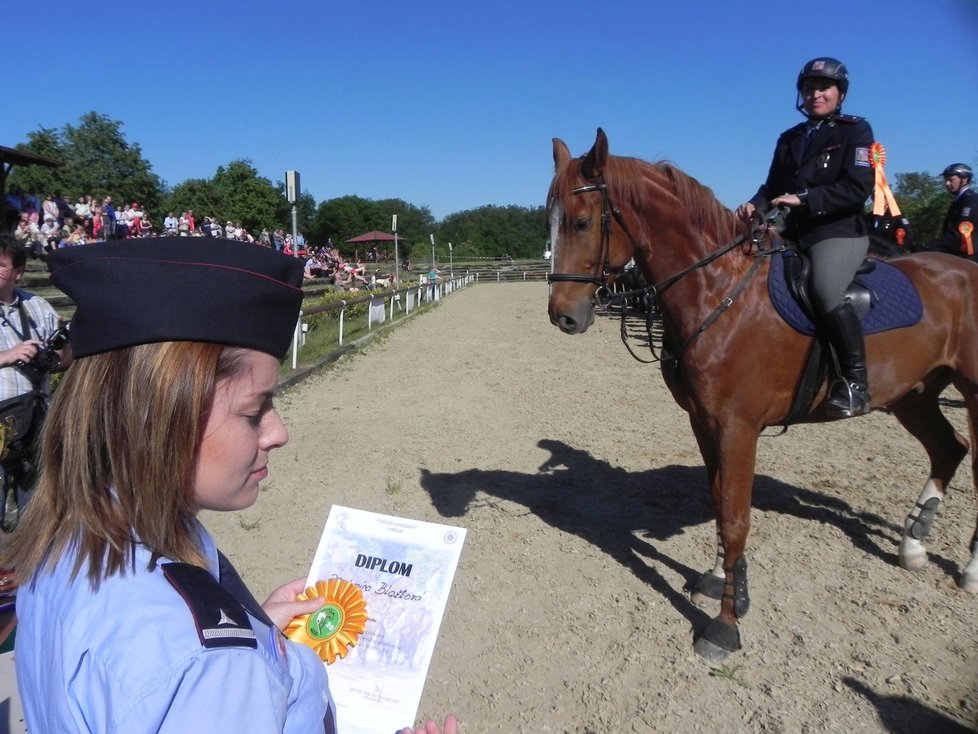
46	359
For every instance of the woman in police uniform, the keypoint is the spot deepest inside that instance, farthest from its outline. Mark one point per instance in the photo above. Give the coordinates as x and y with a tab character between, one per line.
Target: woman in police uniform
130	619
958	235
822	171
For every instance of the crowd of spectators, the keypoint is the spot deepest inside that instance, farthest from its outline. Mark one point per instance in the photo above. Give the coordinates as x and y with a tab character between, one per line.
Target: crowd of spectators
44	225
328	263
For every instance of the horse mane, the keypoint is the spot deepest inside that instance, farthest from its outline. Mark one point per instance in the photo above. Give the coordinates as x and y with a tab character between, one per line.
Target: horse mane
639	183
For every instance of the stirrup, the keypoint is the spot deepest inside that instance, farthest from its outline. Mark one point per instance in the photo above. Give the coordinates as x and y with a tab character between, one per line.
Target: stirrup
847	399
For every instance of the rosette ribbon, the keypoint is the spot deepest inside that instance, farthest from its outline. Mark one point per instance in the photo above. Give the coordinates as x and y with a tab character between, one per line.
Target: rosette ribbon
883	198
337	625
965	229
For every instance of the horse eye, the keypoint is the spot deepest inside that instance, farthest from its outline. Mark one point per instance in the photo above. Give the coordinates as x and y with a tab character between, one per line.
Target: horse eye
582	224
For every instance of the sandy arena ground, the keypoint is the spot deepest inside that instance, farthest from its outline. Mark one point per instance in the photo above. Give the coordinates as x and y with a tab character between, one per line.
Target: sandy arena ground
585	500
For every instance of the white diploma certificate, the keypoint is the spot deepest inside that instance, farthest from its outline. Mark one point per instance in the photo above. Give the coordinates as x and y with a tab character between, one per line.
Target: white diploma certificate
404	569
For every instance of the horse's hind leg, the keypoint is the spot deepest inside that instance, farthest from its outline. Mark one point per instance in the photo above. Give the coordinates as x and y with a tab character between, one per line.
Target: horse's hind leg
969	576
920	414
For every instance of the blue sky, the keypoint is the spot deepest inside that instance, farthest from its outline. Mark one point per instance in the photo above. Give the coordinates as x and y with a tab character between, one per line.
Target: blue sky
452	105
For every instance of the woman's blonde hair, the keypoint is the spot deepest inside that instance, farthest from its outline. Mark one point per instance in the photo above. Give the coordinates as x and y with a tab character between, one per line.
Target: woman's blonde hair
118	460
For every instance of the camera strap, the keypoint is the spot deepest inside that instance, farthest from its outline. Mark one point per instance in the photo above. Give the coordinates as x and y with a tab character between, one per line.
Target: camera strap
25	322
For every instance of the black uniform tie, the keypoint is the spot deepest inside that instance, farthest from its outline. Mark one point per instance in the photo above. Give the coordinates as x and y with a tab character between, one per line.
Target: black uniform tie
809	134
231	581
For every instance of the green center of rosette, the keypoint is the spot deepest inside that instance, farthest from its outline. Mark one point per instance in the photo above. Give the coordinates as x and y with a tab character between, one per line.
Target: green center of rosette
325	622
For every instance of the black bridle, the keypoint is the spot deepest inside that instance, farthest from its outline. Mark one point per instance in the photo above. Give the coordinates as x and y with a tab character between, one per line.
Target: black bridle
772	219
608	211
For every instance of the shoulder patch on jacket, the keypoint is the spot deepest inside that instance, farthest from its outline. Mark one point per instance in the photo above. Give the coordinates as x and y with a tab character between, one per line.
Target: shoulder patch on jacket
220	618
849	119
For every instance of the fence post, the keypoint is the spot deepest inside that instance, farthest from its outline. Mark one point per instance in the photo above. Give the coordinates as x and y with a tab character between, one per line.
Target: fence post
295	342
342	314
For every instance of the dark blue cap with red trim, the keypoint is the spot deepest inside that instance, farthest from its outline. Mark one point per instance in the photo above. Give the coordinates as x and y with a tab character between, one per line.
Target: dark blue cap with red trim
142	291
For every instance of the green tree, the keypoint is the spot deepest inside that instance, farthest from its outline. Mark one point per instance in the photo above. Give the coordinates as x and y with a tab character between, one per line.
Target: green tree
98	161
305	213
244	196
494	231
342	218
414	223
195	194
924	201
41	180
349	216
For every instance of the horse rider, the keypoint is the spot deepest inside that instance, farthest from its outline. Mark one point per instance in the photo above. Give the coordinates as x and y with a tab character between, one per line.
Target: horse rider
822	172
958	232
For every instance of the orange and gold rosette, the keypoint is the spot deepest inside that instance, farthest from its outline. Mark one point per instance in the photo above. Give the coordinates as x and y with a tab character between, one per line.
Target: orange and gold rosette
883	198
336	625
965	229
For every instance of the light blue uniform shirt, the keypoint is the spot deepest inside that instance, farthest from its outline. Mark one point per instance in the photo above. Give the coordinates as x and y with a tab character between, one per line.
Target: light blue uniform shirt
128	659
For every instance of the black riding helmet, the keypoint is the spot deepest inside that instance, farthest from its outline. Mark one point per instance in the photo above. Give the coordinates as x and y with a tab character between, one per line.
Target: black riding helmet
824	67
957	169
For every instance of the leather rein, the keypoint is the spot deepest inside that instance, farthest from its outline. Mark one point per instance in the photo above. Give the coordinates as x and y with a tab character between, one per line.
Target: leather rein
773	219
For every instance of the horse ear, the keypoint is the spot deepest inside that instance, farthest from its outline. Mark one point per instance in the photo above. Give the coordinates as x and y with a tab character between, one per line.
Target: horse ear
562	153
597	157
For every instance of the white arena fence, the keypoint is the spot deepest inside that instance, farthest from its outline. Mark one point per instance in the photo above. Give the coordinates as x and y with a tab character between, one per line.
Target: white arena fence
381	307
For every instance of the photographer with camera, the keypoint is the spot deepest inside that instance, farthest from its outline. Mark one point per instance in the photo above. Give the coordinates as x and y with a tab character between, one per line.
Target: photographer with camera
32	345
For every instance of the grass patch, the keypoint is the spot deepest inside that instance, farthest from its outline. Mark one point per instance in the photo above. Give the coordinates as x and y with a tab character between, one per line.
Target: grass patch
248	526
728	672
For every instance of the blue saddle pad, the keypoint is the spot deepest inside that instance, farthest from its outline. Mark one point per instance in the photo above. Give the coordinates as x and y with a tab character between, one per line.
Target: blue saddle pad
894	301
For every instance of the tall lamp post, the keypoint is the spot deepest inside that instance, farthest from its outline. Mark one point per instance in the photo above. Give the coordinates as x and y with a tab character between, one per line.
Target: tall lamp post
292	194
451	261
432	236
397	260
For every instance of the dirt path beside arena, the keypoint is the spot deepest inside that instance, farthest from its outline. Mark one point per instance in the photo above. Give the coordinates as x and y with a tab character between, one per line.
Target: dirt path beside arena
584	496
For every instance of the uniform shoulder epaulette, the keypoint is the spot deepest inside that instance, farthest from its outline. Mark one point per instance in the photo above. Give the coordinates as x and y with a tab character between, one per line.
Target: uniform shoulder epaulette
849	119
220	618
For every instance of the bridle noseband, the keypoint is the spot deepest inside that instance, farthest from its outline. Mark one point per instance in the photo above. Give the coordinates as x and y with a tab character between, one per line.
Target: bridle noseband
608	210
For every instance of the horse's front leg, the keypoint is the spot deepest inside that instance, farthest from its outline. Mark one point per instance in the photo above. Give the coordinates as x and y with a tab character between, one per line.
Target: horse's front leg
729	452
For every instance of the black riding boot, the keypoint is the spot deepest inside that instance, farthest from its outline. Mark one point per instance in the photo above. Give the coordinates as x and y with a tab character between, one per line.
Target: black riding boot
850	395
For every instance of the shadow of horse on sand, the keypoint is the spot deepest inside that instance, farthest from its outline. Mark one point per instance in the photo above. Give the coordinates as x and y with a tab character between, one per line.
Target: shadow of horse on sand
624	513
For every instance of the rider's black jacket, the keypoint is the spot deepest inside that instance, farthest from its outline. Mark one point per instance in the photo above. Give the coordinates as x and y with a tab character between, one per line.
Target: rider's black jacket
833	174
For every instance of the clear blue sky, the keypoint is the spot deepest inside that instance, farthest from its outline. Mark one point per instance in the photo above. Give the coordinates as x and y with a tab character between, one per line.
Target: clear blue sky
452	105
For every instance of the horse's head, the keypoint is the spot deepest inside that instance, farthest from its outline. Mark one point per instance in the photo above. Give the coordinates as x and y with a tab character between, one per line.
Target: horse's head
589	241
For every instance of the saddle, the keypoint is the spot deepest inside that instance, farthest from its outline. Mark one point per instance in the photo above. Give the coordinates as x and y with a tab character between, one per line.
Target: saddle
884	299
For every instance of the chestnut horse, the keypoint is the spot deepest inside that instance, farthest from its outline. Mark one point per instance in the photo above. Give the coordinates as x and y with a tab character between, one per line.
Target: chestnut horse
733	364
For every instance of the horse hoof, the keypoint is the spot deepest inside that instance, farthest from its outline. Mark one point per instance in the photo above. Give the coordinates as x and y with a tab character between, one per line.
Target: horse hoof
914	562
718	640
709	651
969	582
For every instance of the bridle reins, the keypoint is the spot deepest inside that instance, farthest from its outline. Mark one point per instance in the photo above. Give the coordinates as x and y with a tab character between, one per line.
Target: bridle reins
773	219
